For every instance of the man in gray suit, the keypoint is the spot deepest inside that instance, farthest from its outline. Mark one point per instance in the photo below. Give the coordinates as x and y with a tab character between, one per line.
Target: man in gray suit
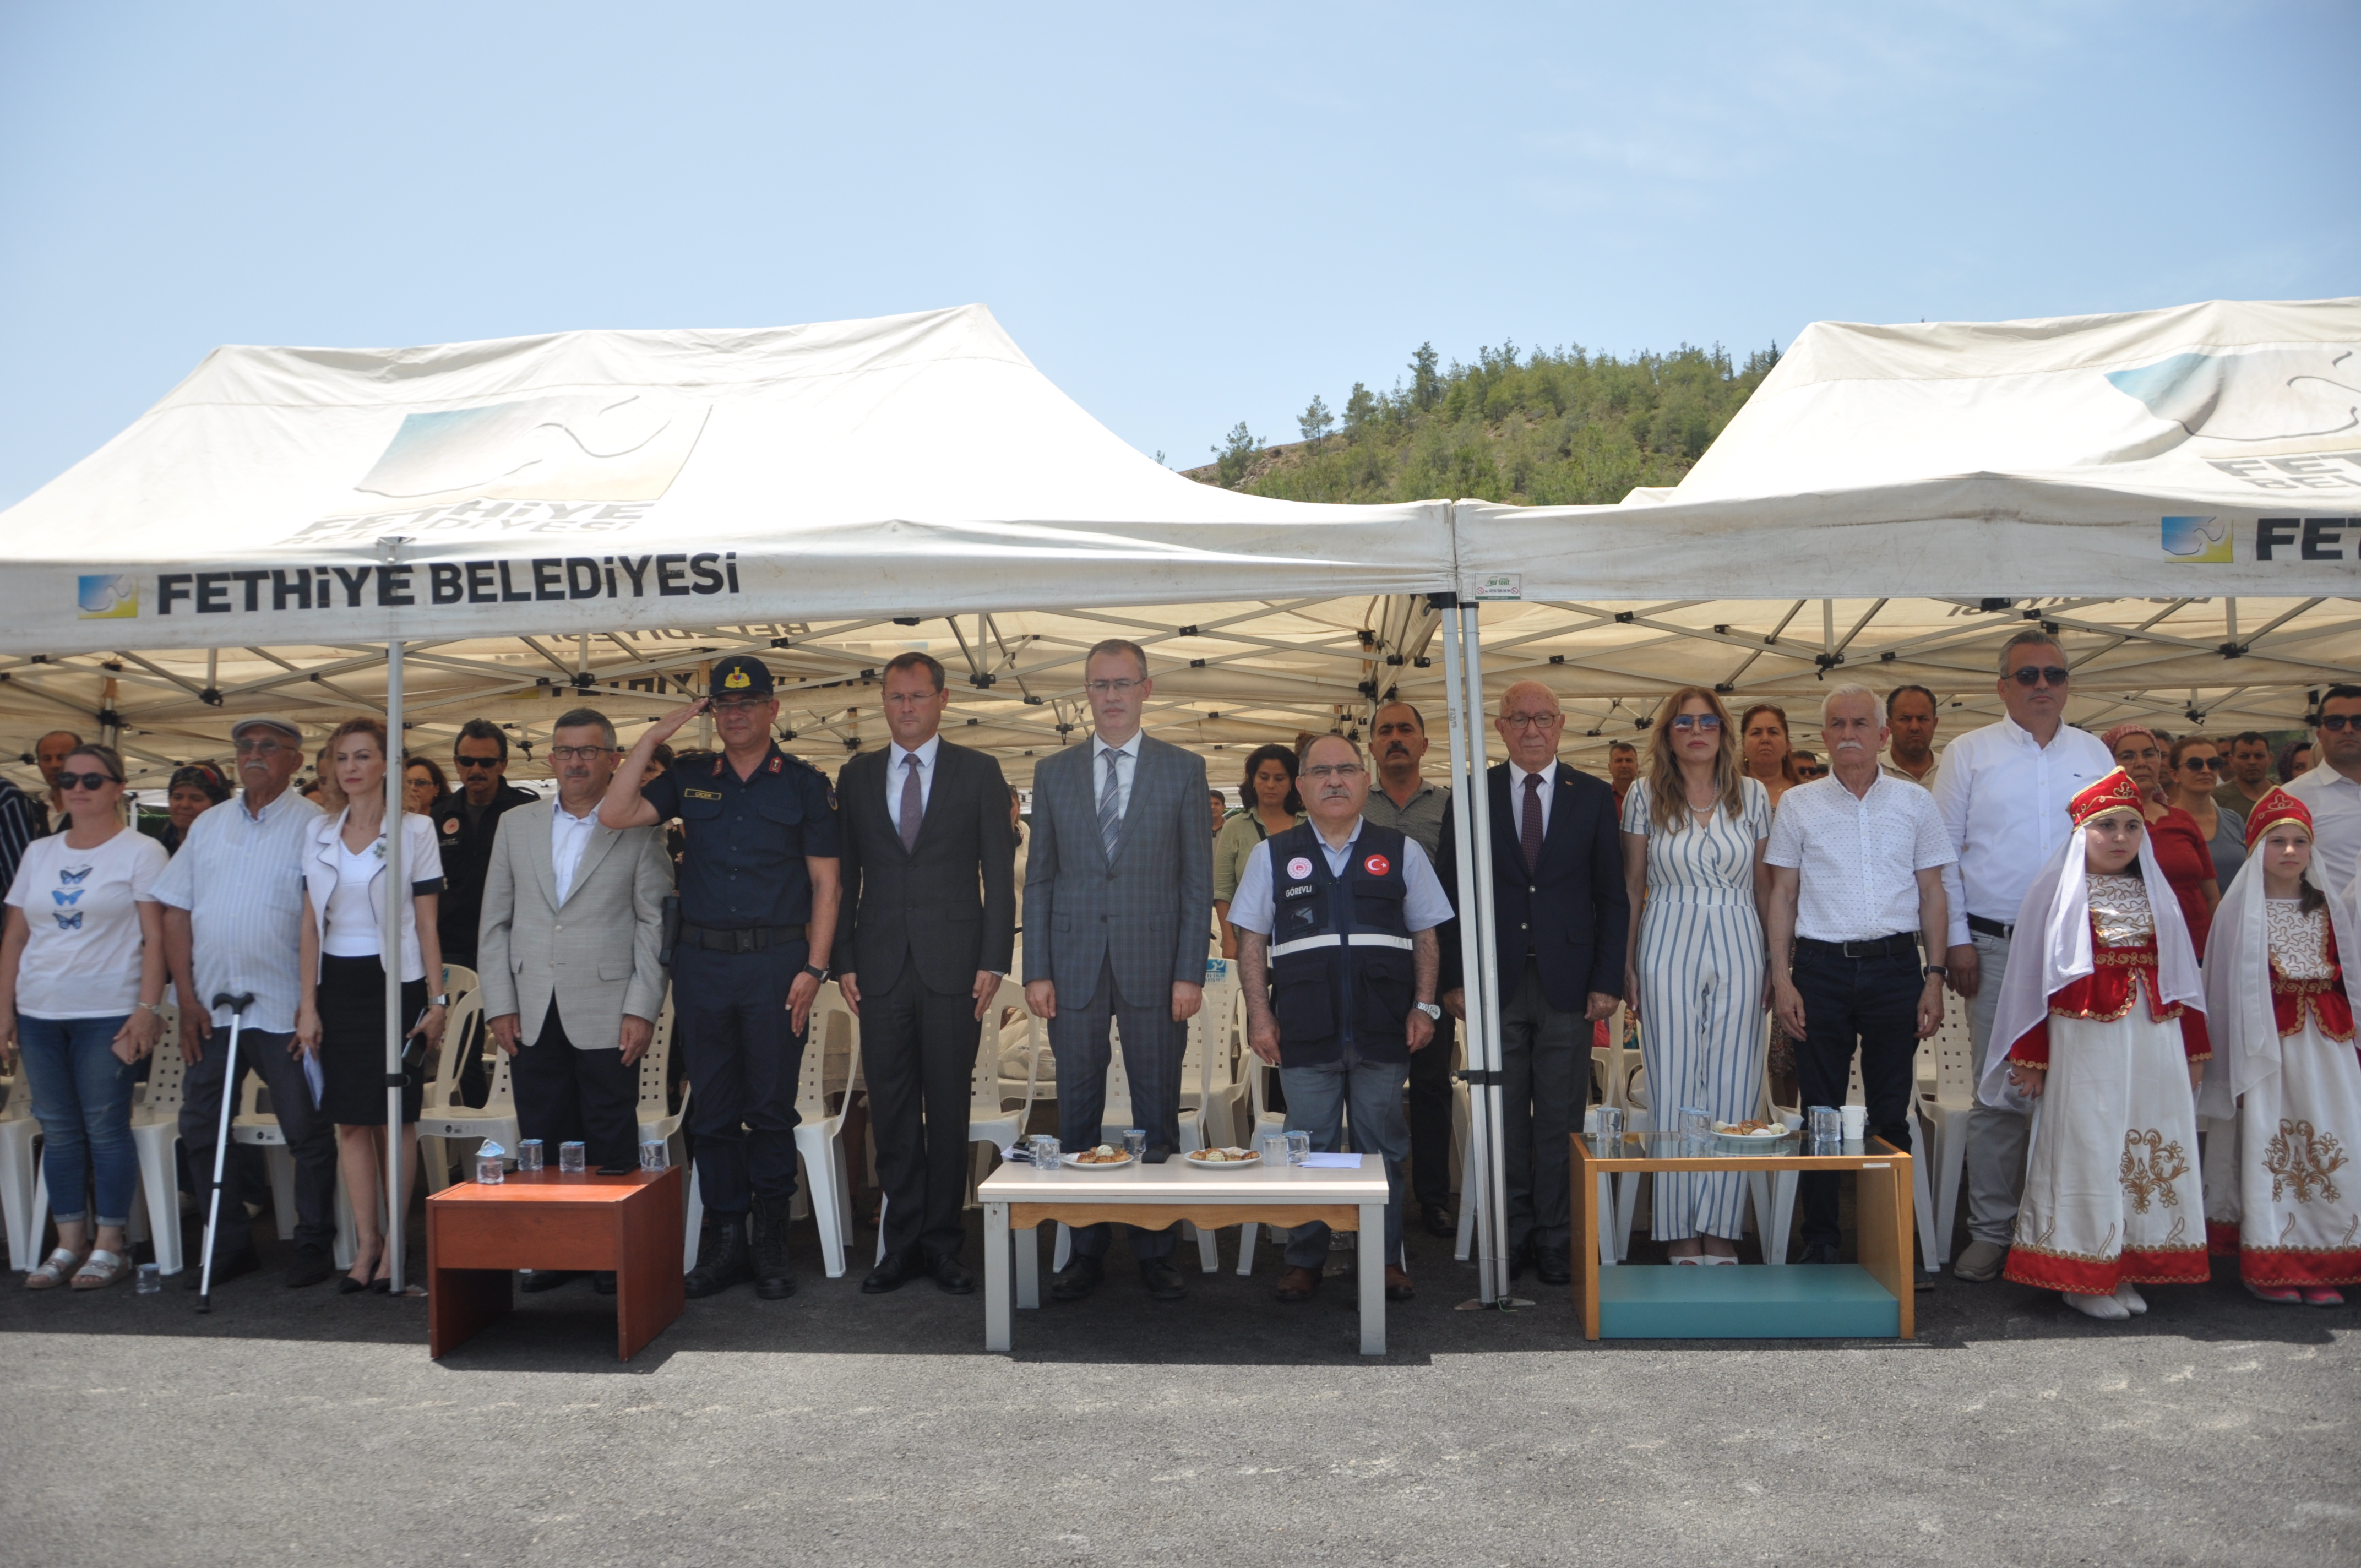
572	923
1118	898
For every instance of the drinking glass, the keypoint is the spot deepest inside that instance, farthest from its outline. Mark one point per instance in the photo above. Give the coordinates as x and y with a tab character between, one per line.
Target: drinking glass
1135	1141
1274	1148
529	1155
653	1156
1046	1152
1607	1128
1826	1126
570	1157
1298	1146
488	1168
1696	1125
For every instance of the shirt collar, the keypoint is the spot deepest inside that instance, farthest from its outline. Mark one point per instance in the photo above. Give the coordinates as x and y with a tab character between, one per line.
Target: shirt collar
1130	747
925	752
1518	767
558	811
1350	839
2023	737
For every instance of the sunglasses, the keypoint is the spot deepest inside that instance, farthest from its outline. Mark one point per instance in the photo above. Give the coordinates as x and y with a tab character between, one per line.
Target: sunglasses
87	781
477	761
2335	722
2203	765
1705	721
2029	677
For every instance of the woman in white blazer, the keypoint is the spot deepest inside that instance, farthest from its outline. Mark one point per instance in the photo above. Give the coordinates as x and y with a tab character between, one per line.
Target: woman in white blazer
340	1019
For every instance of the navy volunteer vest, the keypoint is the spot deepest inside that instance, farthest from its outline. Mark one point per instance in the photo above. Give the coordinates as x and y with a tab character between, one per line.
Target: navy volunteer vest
1340	949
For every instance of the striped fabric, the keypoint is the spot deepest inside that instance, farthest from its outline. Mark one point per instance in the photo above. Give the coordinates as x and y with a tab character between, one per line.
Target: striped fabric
1701	960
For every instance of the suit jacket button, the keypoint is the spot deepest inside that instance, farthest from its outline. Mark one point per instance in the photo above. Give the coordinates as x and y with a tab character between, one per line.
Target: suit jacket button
1523	927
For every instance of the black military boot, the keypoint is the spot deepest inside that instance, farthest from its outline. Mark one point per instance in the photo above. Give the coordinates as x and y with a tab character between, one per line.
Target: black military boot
721	1259
774	1274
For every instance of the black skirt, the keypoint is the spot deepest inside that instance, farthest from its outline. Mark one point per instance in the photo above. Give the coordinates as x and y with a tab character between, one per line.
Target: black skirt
351	1042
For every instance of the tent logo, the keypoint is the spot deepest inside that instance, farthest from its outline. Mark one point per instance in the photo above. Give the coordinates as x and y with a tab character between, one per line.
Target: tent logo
572	446
2198	541
111	596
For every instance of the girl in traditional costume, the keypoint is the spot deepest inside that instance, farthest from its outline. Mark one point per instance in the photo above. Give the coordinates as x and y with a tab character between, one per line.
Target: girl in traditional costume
2283	1094
2103	1037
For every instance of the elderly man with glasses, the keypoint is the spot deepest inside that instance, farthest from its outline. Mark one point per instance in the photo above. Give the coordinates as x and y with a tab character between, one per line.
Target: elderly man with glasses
2331	789
2002	792
1561	914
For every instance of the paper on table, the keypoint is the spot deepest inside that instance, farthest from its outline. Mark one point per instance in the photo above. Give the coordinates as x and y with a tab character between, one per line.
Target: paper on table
1331	1162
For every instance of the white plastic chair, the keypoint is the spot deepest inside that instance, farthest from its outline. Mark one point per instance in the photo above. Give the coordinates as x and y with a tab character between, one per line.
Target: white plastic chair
20	1182
1943	1107
442	1118
992	1123
820	1139
259	1127
459	980
156	1135
659	1123
1216	1036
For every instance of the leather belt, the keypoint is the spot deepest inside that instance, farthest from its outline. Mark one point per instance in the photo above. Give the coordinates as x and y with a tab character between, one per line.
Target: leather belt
745	939
1875	948
1990	928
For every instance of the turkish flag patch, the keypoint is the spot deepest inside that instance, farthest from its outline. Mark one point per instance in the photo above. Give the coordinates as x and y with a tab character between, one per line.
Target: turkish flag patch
1377	865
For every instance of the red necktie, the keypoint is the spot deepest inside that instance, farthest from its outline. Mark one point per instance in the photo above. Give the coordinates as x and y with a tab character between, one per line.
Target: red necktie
1529	831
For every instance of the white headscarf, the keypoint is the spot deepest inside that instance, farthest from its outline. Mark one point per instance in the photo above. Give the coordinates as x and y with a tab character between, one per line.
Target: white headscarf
2238	1011
2051	949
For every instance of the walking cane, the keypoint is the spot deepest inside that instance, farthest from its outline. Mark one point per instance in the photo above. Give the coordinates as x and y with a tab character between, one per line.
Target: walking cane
237	1006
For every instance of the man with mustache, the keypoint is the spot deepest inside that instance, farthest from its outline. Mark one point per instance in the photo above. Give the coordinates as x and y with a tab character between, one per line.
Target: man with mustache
1857	865
1409	804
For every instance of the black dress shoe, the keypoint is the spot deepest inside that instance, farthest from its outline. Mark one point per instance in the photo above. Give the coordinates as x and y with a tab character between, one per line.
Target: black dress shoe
775	1271
1081	1278
1439	1220
1823	1252
1551	1267
722	1257
603	1281
1520	1258
536	1280
308	1266
1163	1280
951	1279
893	1270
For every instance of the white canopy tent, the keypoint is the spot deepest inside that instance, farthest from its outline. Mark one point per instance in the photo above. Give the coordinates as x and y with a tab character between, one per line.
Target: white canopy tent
523	523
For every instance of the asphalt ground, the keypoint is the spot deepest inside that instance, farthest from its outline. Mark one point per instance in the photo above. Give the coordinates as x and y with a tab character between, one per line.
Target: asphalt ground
303	1426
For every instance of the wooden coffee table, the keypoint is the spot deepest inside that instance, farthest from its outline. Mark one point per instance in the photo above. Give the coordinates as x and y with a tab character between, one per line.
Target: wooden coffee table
1018	1198
477	1236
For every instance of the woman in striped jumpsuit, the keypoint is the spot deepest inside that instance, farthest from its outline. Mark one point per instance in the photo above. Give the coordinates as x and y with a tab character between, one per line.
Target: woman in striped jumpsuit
1693	837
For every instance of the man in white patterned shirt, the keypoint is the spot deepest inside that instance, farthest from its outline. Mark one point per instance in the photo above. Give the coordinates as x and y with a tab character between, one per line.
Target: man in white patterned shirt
1857	865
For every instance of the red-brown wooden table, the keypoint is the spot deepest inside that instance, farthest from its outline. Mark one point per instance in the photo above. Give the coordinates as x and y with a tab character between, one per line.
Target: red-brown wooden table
477	1236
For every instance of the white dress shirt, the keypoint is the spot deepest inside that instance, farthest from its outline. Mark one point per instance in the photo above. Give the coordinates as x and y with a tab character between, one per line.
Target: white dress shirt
1518	774
1125	770
897	768
240	876
2335	801
1424	906
568	836
2002	796
1857	858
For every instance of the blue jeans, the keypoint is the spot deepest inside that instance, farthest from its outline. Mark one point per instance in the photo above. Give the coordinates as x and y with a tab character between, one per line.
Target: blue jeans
1317	1097
81	1092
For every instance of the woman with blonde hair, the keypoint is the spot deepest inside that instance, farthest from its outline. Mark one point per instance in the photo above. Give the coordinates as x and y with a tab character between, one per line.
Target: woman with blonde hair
340	1019
1696	972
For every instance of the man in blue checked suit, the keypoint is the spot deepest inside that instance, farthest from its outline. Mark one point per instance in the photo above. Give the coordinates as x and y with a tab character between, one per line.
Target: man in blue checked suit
1118	901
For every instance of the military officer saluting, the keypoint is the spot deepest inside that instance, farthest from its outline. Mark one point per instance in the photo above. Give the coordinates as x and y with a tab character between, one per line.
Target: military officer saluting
758	901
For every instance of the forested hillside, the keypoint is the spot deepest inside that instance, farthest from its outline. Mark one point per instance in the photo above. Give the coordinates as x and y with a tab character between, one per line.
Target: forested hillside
1547	427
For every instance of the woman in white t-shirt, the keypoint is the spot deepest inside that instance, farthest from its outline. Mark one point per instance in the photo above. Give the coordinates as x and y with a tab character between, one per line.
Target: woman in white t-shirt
340	1019
81	970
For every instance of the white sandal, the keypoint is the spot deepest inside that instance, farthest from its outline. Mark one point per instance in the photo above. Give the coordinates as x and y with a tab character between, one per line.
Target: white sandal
53	1271
101	1269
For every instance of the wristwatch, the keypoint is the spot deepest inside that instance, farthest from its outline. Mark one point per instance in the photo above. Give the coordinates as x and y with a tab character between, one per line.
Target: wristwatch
1934	969
817	972
1430	1009
438	1002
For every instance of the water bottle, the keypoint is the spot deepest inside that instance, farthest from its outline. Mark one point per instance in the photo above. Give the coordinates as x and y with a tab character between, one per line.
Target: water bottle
653	1156
489	1171
149	1281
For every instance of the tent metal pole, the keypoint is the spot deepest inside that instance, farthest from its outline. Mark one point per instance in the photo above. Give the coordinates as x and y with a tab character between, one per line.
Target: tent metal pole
1495	1173
1479	991
397	904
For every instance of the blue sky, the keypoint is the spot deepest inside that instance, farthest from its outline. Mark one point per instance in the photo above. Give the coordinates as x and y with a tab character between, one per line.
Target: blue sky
1187	214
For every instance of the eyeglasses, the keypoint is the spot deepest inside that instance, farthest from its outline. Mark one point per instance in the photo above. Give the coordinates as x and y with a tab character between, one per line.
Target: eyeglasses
2028	677
1110	688
1532	720
2203	765
2335	723
87	781
578	753
257	748
1705	721
1342	772
738	705
477	761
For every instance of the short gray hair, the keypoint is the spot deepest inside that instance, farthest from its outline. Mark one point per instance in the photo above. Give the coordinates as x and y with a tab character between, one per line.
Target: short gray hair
1334	735
1851	689
582	718
2031	637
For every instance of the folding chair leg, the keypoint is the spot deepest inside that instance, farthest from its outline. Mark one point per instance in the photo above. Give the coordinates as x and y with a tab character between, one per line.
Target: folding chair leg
160	1185
696	1223
1605	1234
1065	1252
281	1164
1921	1193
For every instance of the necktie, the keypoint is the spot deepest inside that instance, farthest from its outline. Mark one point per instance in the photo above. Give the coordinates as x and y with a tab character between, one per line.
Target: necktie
1528	830
1110	806
913	802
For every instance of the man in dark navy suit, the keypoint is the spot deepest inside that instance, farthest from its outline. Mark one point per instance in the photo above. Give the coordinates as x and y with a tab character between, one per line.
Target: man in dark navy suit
1559	917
